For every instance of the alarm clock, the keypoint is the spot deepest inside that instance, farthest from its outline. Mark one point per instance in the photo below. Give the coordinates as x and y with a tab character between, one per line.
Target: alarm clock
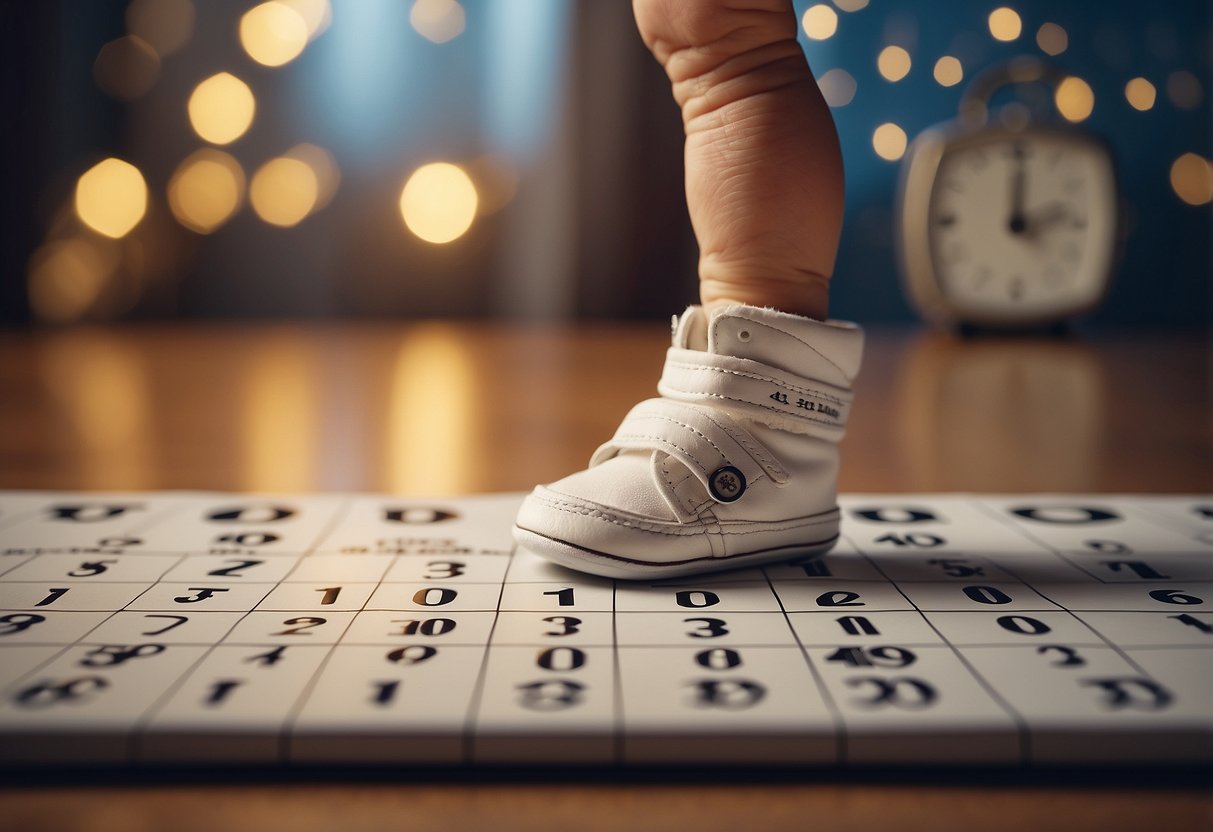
1006	226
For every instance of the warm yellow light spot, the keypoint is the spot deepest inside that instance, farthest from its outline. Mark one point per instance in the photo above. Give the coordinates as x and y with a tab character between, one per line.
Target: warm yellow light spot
206	190
111	197
1052	39
948	71
437	20
889	142
328	177
1005	24
851	5
1192	179
66	277
1074	99
820	22
893	63
281	398
434	412
1184	89
126	68
1140	94
837	87
164	24
273	33
317	14
221	108
284	191
438	202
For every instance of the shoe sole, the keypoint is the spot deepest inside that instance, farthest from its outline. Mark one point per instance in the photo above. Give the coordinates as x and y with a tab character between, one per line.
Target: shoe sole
607	565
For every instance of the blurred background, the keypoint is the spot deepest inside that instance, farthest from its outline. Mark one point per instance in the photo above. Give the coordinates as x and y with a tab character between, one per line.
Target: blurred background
516	159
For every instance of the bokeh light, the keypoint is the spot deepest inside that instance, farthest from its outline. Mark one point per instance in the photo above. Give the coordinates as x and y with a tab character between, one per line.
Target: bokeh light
324	167
1140	94
316	14
1052	39
206	190
1184	89
851	5
889	142
126	67
437	20
948	71
284	191
67	276
273	33
1192	179
164	24
111	197
1074	99
820	22
439	202
893	63
1005	24
221	108
837	87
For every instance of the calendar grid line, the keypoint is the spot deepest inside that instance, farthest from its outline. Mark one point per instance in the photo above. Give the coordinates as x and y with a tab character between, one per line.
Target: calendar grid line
474	703
1044	544
840	727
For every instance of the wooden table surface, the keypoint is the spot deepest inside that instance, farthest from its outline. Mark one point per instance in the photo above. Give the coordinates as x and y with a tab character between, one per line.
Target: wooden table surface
433	408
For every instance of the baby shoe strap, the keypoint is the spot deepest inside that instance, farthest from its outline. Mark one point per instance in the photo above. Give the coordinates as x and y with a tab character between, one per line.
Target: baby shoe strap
756	391
717	451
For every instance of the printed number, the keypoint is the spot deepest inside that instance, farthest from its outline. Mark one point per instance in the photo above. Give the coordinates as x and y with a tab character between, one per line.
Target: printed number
550	695
718	658
90	568
269	658
426	627
446	569
385	692
1175	596
110	655
330	595
434	596
904	692
18	622
413	654
53	596
178	620
895	515
696	598
561	658
220	691
728	694
248	539
709	627
873	656
839	598
957	568
1108	547
1023	624
1069	656
1065	515
567	624
1131	693
46	694
297	626
856	625
235	570
1192	621
201	593
921	539
564	597
987	595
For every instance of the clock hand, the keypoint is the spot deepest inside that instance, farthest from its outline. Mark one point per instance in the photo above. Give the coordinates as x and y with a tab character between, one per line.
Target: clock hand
1018	222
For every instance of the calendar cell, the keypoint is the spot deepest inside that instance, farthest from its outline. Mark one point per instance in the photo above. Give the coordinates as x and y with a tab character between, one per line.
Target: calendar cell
318	597
203	596
231	568
841	596
290	628
1153	629
444	597
167	627
557	597
862	627
340	568
1011	627
92	569
74	596
696	598
472	569
708	628
394	627
978	596
556	627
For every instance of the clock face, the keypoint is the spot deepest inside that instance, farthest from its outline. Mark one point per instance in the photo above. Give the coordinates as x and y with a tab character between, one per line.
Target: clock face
1022	226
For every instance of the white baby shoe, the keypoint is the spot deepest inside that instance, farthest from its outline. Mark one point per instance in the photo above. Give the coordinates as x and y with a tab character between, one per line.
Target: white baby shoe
736	463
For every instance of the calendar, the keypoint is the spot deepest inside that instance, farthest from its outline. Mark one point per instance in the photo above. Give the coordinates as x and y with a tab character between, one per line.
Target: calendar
202	628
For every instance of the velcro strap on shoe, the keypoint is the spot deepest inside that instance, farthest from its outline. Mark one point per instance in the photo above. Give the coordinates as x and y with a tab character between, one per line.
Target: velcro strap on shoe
756	391
704	439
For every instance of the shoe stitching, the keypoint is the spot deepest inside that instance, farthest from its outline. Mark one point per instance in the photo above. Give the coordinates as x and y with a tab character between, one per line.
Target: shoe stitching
748	443
648	527
693	430
811	391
